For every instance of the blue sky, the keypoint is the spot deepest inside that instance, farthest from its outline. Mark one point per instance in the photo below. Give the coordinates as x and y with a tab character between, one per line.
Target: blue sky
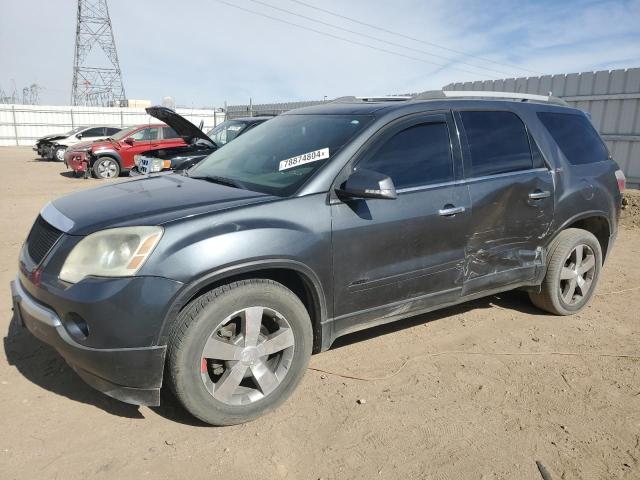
203	52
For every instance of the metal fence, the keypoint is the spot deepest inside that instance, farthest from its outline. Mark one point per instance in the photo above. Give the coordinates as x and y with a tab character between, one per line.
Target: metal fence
23	124
612	98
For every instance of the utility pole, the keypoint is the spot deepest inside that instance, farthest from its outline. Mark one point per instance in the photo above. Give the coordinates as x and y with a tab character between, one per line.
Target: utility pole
99	83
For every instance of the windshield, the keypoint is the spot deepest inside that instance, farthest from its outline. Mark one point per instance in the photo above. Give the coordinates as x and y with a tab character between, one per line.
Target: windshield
74	131
283	153
124	133
226	131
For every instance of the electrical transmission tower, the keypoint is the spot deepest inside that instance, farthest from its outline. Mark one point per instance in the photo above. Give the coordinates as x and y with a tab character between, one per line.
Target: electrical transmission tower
93	84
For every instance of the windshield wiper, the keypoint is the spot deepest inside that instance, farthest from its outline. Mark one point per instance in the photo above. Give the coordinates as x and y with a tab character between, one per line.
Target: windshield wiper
219	180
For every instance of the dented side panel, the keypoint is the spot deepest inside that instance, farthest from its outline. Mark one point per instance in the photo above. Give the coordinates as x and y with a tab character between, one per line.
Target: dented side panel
508	228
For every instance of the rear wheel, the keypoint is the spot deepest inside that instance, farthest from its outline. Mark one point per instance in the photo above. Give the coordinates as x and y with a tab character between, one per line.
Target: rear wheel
573	270
106	167
239	351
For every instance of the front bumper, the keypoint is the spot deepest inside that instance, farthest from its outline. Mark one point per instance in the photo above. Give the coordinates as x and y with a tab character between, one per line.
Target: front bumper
77	161
133	375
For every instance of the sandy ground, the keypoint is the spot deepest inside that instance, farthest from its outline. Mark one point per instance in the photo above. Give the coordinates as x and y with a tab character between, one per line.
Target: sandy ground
480	395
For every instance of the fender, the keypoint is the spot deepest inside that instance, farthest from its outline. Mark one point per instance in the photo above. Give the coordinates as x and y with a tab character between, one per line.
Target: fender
577	217
107	152
189	290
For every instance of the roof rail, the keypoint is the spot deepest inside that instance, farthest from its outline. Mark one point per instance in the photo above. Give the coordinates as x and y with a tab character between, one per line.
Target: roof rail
386	98
383	98
441	94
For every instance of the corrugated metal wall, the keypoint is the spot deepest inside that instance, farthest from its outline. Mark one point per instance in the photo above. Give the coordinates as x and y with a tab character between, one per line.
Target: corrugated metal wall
250	110
23	124
612	97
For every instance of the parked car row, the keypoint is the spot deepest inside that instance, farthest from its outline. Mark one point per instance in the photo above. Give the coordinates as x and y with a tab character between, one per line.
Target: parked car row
107	152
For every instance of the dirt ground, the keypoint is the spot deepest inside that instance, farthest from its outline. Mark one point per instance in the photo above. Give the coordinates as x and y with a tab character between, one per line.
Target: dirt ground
471	392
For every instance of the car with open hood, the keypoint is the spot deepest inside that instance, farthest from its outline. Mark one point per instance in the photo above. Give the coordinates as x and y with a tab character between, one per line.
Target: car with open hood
115	155
198	146
220	283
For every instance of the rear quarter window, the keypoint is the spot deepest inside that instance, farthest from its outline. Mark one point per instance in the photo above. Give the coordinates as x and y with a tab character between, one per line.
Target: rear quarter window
575	136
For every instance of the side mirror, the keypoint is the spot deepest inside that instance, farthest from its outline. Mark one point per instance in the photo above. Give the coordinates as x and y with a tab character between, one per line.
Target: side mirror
368	184
129	141
79	136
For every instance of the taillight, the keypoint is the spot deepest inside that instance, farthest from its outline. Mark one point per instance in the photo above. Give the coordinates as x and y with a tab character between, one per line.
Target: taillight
622	180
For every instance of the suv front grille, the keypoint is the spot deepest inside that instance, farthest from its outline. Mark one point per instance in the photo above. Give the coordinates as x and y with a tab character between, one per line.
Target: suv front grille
41	238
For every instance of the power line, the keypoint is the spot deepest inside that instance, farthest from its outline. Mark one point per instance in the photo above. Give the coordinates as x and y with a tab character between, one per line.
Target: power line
378	39
344	39
391	32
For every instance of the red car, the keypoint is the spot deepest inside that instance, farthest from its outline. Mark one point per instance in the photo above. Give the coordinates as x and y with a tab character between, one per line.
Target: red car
108	158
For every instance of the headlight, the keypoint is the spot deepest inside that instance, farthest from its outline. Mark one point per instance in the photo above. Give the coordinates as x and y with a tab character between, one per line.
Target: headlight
117	252
158	165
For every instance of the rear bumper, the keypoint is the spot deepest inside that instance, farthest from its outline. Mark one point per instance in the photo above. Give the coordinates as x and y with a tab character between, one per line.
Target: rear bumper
132	375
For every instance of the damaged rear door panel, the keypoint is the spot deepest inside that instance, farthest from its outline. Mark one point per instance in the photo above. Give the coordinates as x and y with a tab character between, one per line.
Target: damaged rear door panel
512	197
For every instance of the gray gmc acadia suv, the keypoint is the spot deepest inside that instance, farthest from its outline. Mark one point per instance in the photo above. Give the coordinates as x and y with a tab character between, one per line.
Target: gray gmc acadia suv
325	220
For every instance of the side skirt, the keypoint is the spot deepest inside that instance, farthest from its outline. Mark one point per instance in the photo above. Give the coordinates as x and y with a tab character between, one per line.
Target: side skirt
334	328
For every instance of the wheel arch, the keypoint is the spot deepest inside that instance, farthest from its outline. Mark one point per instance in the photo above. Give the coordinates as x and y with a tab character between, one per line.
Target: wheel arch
595	222
107	153
297	277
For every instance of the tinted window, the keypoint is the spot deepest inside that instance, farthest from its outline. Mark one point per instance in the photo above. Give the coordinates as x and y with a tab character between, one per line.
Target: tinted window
94	132
168	132
538	159
575	136
112	131
419	155
146	134
498	143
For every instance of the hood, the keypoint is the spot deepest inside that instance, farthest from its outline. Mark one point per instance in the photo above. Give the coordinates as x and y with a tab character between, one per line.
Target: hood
148	201
183	127
84	146
51	137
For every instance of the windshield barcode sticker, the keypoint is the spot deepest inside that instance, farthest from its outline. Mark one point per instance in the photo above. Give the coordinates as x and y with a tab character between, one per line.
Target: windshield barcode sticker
304	158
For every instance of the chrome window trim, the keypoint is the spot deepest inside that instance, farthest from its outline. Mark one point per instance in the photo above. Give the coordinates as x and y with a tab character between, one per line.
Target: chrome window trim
471	180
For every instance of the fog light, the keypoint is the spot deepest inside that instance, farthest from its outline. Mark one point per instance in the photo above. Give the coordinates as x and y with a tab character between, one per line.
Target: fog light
76	326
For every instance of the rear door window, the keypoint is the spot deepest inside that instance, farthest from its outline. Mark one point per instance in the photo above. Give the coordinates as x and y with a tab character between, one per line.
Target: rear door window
498	143
94	132
169	133
419	155
576	137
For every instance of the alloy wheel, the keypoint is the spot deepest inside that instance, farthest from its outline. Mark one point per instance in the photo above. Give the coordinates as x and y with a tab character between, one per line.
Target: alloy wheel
577	274
247	356
107	169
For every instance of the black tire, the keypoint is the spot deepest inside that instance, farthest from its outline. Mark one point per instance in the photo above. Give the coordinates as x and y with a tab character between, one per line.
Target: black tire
106	167
550	297
58	154
196	323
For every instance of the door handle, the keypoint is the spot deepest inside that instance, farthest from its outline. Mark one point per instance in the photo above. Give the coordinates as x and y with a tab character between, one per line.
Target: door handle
538	194
450	211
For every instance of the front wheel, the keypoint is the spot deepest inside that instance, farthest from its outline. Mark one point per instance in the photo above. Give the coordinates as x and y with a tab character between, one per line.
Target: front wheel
106	167
573	270
239	351
58	154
